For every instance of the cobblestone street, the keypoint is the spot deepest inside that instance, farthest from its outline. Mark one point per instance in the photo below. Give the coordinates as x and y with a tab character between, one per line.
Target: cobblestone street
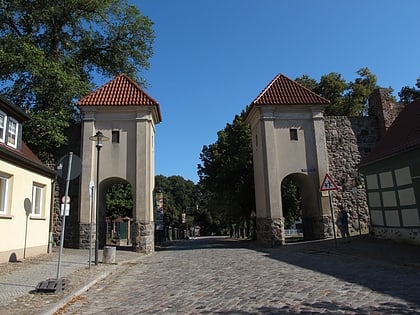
222	276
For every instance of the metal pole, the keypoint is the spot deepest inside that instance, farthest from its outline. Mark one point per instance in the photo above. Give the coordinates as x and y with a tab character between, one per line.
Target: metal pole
97	207
91	192
358	212
26	235
356	196
332	218
64	214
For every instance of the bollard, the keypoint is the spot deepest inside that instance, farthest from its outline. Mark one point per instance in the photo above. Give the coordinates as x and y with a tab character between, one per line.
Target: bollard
109	254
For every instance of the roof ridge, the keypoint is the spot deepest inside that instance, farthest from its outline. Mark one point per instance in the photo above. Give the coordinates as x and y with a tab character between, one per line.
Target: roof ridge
266	88
309	90
136	85
121	90
284	91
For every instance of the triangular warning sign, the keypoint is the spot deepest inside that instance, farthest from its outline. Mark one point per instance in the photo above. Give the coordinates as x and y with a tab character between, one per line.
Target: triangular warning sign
328	184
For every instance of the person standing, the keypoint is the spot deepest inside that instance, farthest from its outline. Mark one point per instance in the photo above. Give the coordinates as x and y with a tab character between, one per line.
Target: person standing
345	223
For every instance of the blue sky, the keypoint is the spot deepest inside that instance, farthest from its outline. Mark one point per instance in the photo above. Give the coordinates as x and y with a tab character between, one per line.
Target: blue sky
213	57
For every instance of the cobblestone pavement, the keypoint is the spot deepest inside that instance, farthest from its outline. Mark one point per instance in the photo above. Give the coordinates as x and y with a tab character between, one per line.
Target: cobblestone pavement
221	276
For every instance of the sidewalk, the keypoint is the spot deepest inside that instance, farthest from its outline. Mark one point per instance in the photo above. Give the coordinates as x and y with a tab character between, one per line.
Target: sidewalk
18	280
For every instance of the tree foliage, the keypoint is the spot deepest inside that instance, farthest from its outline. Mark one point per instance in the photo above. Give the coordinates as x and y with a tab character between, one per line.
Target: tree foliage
179	195
226	173
291	201
49	51
410	94
347	98
119	200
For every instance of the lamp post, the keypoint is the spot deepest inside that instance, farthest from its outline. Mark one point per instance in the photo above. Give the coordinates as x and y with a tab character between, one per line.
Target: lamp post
98	138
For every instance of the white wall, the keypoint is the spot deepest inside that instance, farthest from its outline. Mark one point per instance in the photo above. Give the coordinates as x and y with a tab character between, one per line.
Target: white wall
14	225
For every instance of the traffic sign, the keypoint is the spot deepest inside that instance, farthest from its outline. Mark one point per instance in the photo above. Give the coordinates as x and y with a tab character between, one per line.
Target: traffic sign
64	164
65	209
328	184
64	200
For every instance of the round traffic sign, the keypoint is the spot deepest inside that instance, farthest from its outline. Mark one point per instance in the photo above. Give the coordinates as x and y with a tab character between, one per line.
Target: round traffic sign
63	166
63	199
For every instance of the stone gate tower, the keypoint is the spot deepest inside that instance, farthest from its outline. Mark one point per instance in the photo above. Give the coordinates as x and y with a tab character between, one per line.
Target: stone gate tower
126	115
288	140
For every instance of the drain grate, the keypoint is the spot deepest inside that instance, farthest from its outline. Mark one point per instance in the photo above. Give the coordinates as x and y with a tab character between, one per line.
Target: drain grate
52	285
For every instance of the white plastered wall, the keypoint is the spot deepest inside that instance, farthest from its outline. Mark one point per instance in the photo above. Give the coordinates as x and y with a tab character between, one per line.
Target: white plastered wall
15	226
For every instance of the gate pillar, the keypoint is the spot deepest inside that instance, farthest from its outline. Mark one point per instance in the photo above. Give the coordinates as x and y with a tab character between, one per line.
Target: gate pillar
270	232
125	114
288	141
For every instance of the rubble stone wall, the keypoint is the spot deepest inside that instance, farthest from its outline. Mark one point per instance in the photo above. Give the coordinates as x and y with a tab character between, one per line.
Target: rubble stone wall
349	139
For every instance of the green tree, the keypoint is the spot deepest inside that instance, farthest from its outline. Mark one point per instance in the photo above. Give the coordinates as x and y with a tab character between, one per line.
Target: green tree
410	94
119	200
359	91
291	201
332	86
226	173
50	50
179	195
307	82
347	98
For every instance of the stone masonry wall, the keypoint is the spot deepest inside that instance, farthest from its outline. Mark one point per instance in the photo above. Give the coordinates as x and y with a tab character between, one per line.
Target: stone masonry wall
349	139
72	221
384	108
270	232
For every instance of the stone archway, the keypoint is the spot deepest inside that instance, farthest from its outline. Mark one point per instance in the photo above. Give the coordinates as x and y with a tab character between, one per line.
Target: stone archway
288	137
309	205
127	116
105	187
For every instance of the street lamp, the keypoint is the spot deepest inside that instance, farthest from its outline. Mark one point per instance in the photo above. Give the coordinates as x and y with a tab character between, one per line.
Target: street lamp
98	138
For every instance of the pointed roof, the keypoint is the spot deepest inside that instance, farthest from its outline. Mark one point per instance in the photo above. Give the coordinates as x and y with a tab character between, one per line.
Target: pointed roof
403	135
121	91
284	91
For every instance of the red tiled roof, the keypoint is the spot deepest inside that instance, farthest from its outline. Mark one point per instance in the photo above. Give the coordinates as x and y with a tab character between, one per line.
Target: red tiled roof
284	91
24	157
26	152
403	135
121	91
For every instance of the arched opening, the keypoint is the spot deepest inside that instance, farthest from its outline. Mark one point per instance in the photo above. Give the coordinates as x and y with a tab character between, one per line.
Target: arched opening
116	213
300	207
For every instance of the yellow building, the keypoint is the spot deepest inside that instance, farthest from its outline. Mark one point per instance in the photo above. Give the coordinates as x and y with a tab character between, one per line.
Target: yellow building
25	191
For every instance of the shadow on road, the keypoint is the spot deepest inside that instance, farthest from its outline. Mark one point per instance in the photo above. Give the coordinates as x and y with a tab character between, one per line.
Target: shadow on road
382	266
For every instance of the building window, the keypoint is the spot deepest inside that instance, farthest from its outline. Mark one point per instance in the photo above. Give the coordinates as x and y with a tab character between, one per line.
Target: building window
4	193
115	136
37	199
293	134
2	126
12	133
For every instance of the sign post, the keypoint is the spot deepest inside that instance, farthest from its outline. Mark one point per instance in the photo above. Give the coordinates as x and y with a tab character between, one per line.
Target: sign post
65	199
328	185
91	195
68	168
